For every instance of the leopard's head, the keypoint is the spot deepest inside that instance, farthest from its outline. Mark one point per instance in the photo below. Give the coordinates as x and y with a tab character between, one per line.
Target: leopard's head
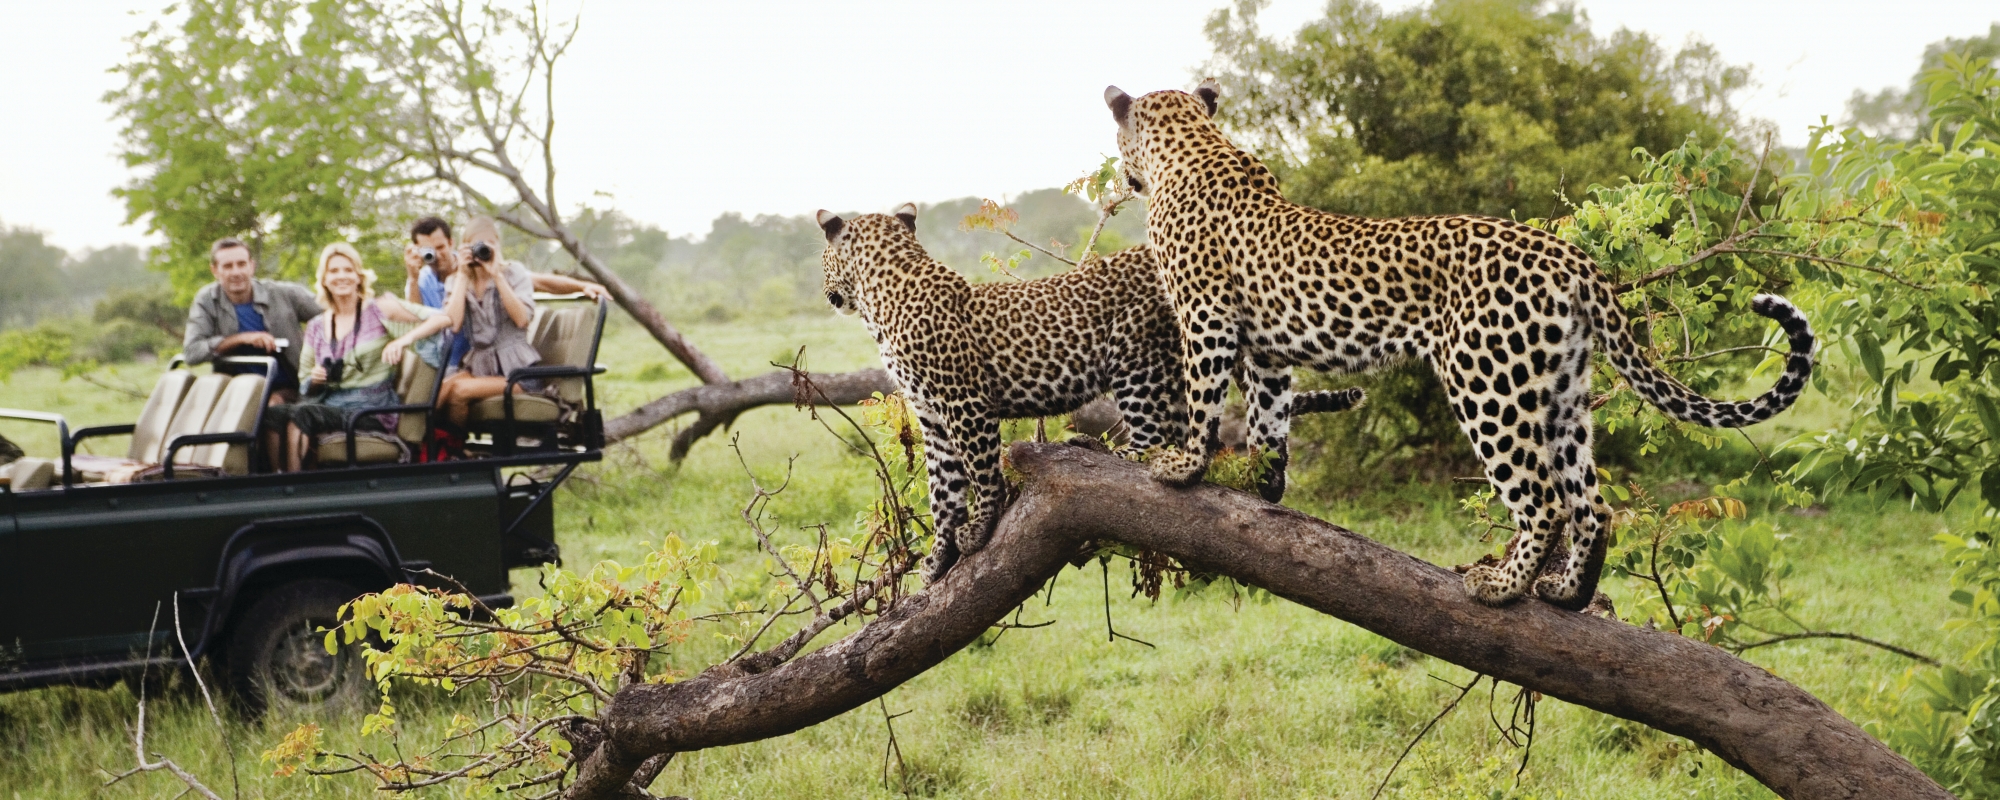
1152	126
856	248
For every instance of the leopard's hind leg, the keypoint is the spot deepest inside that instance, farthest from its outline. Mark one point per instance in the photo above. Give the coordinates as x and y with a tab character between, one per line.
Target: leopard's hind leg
1267	393
1589	521
1497	397
1152	401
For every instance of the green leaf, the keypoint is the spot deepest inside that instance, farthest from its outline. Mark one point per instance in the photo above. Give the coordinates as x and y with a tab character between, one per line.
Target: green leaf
1871	355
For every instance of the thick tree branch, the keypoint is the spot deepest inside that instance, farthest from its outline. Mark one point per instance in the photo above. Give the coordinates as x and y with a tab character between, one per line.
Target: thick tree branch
1072	496
717	404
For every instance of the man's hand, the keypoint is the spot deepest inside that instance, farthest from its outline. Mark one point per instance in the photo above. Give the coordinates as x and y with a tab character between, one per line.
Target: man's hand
260	340
413	261
594	291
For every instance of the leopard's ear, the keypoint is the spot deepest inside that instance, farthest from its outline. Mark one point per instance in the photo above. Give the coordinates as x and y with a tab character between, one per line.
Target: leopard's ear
830	222
907	212
1208	91
1120	103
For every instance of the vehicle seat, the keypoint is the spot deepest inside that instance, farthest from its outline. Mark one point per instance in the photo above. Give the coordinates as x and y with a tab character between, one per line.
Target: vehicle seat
565	334
149	433
29	474
416	383
236	409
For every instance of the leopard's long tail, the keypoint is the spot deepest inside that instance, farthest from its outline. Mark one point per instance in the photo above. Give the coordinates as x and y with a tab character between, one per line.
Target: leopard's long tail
1682	403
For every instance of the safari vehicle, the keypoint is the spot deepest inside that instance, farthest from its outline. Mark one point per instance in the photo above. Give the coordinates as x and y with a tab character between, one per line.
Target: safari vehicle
114	565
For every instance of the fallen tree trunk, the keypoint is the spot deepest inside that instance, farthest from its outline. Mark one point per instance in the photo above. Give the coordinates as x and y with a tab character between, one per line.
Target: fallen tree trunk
717	404
1776	732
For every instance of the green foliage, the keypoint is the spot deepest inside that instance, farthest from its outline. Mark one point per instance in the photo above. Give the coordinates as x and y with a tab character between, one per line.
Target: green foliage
44	345
1481	106
151	307
553	657
256	119
31	270
1923	323
1950	725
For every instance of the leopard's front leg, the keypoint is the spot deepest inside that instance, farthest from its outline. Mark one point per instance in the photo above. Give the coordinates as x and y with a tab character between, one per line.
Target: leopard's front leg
962	451
944	471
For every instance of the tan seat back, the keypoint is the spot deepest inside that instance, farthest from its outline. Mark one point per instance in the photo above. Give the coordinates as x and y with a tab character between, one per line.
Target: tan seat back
566	336
30	474
415	380
235	411
192	414
149	433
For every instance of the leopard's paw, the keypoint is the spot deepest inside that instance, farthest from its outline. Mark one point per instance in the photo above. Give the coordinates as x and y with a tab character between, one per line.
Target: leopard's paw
1561	593
943	555
1176	467
1491	586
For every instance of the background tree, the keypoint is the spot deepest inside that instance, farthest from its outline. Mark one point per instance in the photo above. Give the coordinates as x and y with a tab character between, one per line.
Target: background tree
251	118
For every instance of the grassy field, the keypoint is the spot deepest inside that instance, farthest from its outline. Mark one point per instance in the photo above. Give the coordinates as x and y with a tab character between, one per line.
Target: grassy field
1242	696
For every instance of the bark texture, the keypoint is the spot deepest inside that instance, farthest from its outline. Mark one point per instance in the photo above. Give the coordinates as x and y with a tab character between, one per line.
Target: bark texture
1072	496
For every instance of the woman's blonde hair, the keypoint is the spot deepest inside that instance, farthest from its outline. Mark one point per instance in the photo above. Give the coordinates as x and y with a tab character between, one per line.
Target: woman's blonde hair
354	256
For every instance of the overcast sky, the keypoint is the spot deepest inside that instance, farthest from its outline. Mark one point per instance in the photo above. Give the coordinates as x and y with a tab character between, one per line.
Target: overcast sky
680	111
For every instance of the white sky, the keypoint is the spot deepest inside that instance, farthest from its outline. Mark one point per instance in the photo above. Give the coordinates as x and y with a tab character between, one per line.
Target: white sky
683	110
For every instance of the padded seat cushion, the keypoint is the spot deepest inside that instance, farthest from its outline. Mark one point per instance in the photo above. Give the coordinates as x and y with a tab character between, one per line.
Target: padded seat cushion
528	408
368	449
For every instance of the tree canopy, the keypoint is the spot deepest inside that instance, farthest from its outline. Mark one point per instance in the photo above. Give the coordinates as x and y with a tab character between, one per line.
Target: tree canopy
249	119
1461	106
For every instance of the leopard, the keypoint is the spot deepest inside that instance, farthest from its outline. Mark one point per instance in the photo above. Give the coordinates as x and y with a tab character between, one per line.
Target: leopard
968	355
1505	314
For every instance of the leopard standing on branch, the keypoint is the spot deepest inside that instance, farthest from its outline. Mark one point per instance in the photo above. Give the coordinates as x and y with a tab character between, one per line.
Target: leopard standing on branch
1504	312
970	355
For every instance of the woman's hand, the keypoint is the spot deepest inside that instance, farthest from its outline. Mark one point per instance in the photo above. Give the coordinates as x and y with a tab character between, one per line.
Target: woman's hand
319	374
392	353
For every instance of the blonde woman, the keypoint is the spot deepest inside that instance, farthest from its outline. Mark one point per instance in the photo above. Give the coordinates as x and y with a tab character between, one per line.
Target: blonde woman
350	354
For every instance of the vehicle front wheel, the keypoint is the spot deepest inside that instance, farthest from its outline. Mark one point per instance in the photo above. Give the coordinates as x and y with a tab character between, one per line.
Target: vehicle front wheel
277	655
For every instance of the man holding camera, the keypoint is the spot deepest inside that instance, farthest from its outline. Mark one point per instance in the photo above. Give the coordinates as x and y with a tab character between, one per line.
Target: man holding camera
431	258
239	315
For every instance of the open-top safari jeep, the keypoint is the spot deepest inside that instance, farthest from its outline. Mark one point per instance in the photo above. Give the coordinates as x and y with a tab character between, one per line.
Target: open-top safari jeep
111	563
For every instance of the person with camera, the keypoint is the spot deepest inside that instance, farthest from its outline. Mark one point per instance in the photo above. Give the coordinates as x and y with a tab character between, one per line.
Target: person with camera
355	347
491	301
430	259
239	315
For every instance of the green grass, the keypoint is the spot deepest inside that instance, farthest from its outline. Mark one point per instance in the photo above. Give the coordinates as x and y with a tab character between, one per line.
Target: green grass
1243	696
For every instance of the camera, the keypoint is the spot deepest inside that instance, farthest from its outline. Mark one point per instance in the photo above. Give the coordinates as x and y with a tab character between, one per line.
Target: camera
335	368
429	255
482	252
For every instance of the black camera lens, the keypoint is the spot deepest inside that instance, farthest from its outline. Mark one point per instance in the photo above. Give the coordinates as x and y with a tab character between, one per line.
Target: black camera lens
482	252
430	256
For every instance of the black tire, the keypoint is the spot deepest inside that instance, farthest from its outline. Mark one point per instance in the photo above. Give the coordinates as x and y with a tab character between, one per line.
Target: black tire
277	656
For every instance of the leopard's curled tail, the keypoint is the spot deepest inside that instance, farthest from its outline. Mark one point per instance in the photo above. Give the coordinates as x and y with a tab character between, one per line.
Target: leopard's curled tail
1682	403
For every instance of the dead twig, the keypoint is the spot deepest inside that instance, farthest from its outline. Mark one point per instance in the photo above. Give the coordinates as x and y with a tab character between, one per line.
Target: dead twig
1462	692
